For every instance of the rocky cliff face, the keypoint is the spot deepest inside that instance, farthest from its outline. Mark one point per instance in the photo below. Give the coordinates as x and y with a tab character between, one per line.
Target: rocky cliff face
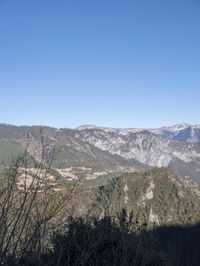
147	147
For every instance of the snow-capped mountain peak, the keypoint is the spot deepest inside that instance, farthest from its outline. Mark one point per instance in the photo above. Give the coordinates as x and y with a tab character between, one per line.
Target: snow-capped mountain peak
182	131
178	127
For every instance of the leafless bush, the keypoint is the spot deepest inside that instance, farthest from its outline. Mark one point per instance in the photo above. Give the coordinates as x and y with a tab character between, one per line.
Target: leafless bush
31	206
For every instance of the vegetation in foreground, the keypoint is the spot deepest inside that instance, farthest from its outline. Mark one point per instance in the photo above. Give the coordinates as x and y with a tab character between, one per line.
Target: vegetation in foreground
37	229
110	242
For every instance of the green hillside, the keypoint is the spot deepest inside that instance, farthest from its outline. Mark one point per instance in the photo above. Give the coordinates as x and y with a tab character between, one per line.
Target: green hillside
9	151
157	197
86	155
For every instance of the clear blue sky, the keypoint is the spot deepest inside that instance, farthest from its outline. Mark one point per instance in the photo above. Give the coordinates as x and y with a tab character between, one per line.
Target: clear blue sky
127	63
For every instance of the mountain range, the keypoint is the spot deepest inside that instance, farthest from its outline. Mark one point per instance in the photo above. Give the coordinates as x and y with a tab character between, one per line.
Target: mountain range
110	149
182	131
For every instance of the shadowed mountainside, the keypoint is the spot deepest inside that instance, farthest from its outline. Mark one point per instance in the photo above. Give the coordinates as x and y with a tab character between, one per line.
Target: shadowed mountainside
94	243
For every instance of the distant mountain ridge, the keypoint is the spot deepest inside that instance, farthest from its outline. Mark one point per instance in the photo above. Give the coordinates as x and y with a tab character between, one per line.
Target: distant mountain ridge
108	149
70	150
182	131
